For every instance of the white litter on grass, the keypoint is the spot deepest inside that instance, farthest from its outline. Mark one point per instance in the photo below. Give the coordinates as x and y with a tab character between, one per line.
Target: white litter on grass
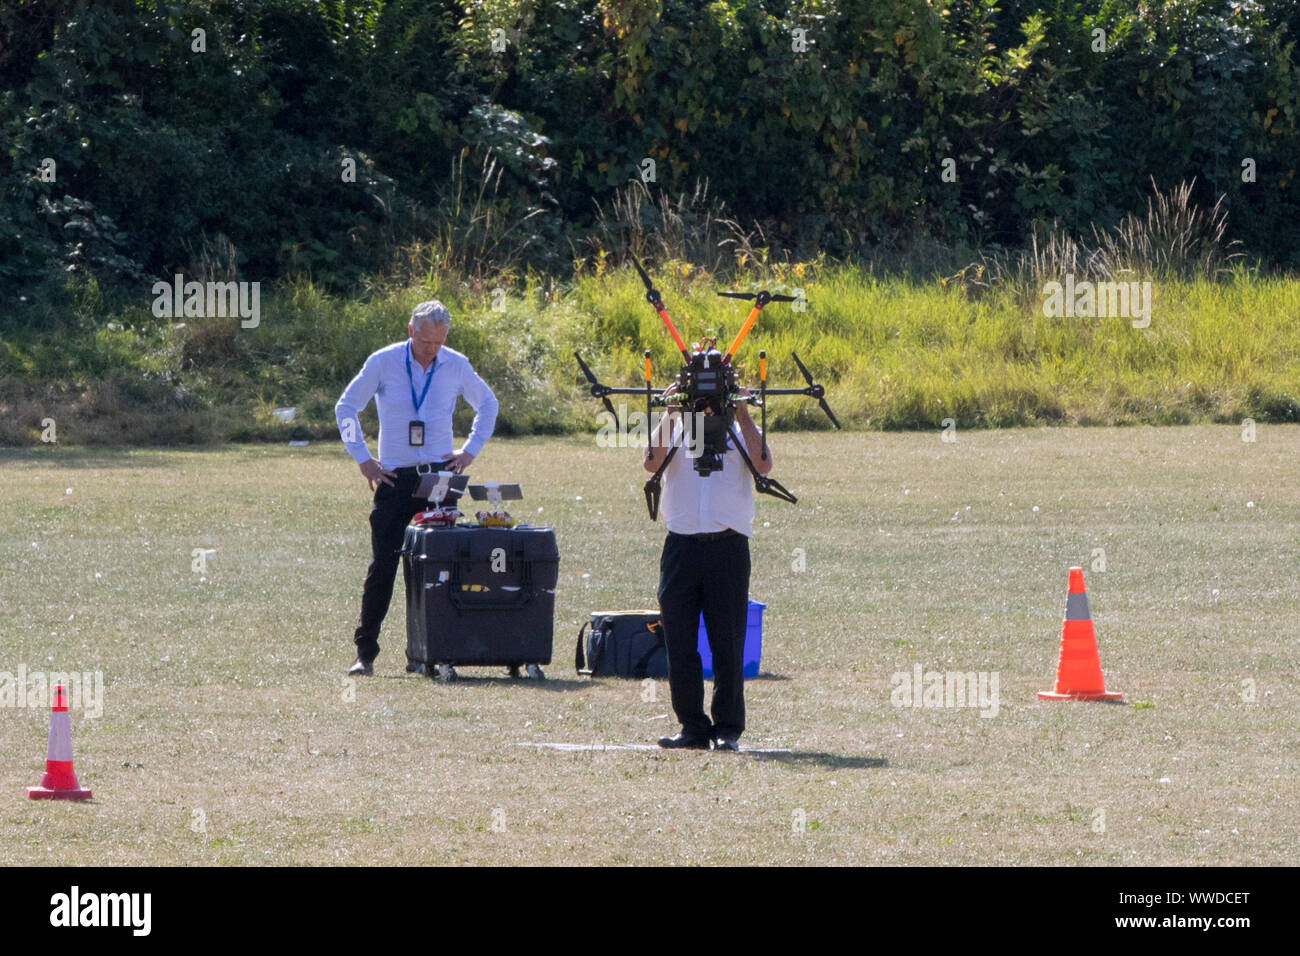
1249	504
575	748
571	748
299	444
68	491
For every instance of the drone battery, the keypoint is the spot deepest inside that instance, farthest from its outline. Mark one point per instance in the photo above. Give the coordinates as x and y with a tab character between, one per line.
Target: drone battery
480	596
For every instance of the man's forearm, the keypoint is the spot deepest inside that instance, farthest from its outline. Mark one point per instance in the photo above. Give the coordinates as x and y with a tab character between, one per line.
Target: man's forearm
485	405
485	422
753	440
349	423
347	409
658	444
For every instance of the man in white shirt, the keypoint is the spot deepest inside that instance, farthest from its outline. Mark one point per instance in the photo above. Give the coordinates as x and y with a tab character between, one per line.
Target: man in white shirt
705	568
415	384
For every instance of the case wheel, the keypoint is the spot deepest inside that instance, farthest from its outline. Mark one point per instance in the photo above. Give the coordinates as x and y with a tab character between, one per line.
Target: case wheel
514	671
535	672
446	673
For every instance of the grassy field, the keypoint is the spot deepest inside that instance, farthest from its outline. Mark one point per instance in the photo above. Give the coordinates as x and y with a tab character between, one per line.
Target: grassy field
230	736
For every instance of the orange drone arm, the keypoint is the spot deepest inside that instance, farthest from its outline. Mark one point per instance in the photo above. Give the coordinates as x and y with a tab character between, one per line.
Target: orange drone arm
744	330
672	330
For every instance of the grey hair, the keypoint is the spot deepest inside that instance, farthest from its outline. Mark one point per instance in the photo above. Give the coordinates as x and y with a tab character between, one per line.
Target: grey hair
431	311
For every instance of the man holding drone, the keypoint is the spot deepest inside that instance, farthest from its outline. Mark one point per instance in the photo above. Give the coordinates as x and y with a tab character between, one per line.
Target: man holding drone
705	568
708	506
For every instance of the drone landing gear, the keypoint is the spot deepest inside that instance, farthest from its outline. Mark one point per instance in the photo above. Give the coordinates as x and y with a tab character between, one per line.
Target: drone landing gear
654	486
762	483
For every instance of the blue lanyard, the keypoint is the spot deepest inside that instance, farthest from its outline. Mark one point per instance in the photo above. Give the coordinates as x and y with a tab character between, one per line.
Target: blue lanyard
411	378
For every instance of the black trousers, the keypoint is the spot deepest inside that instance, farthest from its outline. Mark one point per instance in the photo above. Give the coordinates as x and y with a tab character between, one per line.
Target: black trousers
391	512
711	576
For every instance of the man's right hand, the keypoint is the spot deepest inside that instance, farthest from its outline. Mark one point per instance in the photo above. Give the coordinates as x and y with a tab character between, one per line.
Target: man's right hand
374	472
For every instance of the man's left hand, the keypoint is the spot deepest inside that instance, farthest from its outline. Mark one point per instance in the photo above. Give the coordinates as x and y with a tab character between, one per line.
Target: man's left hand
460	461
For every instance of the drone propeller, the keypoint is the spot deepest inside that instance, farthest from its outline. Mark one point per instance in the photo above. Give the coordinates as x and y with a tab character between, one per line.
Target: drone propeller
761	299
597	390
764	295
815	390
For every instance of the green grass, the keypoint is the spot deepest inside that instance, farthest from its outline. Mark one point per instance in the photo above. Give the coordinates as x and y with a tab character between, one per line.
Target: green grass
895	353
229	735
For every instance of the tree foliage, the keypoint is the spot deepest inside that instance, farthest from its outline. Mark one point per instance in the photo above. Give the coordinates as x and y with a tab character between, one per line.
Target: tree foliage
827	121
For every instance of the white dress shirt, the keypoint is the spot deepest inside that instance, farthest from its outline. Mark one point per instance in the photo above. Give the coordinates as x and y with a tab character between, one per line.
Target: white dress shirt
693	504
384	378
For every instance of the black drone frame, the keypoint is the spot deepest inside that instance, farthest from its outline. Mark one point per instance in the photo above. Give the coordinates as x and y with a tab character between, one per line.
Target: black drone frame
762	483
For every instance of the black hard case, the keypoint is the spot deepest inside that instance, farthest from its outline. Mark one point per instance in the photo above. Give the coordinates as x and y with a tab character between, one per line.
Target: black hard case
460	611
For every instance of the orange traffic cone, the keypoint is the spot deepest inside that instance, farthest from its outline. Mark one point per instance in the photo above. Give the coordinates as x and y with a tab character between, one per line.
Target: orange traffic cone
59	782
1078	672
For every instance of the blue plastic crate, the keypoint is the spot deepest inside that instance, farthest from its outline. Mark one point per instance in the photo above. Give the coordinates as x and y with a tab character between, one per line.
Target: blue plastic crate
753	642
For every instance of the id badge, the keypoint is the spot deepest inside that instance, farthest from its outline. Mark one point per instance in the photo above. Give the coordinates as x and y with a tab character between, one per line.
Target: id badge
416	434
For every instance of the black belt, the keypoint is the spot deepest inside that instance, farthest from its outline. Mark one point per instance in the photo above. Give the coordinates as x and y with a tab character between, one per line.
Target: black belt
422	469
709	535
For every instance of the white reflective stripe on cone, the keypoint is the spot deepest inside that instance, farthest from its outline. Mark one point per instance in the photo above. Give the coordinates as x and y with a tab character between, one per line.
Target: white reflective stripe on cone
60	737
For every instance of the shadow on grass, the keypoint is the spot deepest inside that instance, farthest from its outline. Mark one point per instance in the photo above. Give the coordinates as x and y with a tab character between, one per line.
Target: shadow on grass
817	758
477	680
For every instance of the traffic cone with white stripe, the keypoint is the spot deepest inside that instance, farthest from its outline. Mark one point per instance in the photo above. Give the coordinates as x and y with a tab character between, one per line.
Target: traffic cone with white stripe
1078	670
59	782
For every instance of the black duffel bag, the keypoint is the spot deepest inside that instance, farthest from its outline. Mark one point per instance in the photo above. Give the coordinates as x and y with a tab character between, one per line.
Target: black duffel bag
622	644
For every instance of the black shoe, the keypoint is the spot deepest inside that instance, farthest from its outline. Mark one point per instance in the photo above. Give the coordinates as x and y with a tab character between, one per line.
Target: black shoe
684	741
727	743
361	668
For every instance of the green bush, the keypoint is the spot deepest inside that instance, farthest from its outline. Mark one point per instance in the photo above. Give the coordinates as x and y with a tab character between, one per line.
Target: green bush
833	140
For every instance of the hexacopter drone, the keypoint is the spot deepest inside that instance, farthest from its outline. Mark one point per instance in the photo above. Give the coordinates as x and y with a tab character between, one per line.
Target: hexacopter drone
708	388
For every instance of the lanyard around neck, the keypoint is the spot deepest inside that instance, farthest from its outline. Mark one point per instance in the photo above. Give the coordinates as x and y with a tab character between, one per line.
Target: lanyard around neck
417	402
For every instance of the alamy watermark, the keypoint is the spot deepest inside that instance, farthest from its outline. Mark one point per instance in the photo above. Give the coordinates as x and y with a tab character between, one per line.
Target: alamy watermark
922	688
209	300
632	429
85	691
1098	300
129	910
